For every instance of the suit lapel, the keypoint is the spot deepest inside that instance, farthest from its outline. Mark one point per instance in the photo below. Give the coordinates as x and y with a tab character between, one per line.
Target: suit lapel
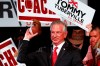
62	52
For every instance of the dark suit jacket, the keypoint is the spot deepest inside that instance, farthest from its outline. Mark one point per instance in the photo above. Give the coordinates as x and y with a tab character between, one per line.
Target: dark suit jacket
68	56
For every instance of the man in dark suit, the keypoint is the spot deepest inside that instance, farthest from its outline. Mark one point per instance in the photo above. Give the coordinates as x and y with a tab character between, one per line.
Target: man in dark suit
65	54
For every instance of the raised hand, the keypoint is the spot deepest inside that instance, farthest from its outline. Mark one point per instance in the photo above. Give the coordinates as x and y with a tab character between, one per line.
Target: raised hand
89	26
29	34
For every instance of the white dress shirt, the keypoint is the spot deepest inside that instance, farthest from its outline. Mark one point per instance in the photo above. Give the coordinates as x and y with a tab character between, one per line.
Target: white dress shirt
59	47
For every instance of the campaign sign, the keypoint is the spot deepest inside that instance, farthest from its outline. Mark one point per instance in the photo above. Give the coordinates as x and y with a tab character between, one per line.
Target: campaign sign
34	9
28	10
8	14
72	10
7	50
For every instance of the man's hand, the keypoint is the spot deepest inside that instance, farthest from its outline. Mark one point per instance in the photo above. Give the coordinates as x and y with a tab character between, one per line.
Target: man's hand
29	34
33	31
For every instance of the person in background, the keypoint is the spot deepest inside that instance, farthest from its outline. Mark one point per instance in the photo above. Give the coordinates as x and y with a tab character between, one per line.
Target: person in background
95	44
59	53
79	40
93	55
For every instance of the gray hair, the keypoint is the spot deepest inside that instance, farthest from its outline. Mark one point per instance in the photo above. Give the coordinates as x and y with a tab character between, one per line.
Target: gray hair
59	22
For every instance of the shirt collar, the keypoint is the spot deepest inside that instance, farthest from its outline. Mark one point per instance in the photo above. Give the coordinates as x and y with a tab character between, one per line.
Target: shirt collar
59	46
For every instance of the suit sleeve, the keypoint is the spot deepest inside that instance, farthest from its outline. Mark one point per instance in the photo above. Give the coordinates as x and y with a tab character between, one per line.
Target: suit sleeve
22	51
23	55
36	58
77	59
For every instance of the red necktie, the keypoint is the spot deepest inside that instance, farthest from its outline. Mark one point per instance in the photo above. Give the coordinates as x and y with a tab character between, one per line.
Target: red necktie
54	56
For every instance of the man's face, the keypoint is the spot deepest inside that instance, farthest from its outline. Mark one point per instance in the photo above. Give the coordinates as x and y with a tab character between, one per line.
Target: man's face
94	37
78	34
58	34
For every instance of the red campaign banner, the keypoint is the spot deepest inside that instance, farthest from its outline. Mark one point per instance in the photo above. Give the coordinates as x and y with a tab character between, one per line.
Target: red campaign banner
7	50
35	9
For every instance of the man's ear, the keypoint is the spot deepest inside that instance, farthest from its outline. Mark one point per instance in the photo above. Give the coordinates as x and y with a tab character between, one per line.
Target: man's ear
66	32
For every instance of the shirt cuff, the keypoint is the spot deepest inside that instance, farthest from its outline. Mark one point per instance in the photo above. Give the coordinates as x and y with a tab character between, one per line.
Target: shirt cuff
26	39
